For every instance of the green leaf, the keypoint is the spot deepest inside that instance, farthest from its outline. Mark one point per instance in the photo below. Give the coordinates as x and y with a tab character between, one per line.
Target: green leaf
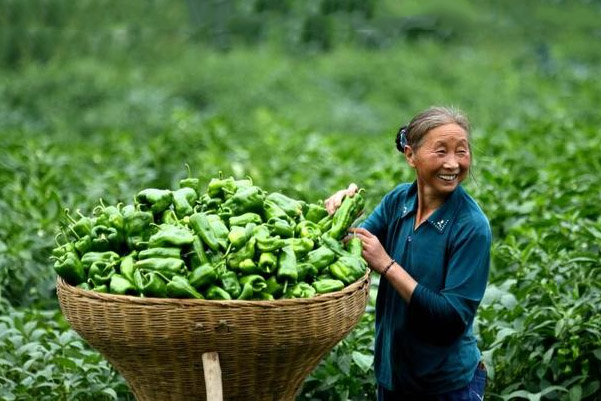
110	392
364	361
576	393
65	363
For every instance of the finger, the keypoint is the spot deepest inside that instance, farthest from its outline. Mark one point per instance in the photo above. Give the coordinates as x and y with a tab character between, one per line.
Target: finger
352	189
361	230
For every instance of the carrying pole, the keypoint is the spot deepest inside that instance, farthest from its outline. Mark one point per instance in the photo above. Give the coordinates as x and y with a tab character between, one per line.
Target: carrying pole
212	372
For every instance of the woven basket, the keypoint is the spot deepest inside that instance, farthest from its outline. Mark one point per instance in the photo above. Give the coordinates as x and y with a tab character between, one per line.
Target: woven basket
266	348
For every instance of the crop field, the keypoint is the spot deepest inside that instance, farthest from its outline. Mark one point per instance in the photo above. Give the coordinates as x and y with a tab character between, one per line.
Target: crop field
99	100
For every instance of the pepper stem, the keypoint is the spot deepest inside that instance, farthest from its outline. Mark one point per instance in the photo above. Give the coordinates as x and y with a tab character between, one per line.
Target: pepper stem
67	213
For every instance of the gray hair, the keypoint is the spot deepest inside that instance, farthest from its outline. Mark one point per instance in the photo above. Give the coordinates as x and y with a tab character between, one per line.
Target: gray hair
431	118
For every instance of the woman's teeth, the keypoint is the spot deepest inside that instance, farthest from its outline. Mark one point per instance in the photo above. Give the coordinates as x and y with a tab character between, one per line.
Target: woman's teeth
448	177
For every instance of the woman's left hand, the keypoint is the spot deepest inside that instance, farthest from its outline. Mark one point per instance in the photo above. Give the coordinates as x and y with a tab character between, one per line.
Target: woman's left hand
373	251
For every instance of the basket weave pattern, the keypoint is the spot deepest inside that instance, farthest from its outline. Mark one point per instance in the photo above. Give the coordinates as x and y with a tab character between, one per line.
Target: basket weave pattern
266	348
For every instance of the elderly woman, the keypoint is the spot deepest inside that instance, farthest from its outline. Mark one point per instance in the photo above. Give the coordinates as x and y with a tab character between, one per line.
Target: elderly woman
430	243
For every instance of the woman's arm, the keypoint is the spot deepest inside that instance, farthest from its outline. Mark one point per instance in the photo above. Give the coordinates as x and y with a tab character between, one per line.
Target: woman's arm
379	260
432	315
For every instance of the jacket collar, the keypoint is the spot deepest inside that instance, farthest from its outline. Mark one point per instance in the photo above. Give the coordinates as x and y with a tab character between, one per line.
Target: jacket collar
442	216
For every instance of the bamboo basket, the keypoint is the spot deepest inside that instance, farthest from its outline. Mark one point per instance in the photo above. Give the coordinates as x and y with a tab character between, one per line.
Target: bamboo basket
266	348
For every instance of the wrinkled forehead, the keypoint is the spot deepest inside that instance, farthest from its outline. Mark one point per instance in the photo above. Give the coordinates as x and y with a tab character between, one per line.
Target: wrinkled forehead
448	134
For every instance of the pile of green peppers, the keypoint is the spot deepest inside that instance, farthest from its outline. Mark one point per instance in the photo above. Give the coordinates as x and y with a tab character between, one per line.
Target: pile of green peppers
230	240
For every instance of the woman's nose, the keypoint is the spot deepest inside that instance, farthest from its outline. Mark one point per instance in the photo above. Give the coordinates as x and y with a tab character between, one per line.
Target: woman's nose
451	162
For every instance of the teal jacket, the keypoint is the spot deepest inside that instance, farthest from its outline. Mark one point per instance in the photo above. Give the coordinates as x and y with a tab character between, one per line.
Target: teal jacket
427	346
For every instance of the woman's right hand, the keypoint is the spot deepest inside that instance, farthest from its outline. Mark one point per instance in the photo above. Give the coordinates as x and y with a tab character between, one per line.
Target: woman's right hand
334	201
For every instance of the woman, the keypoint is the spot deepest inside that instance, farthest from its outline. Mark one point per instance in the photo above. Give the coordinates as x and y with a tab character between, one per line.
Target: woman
430	242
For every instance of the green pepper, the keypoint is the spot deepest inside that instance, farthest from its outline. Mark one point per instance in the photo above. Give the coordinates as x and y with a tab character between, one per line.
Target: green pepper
101	272
301	246
334	245
183	201
137	227
230	283
160	252
70	268
268	262
320	257
109	216
127	210
306	270
197	256
261	231
170	235
308	229
101	288
166	266
122	286
190	182
84	244
287	265
244	219
127	267
270	244
219	228
62	250
316	212
354	246
263	296
300	290
210	204
325	224
327	285
280	227
221	187
157	200
217	293
246	252
150	284
245	200
82	226
89	258
272	211
169	217
209	231
248	266
179	287
105	238
193	183
348	269
84	286
238	236
345	215
292	207
273	287
251	285
203	275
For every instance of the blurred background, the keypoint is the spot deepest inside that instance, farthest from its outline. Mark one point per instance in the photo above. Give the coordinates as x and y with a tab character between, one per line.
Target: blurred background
100	99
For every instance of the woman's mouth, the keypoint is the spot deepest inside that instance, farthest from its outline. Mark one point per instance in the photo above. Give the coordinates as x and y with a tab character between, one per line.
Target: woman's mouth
448	177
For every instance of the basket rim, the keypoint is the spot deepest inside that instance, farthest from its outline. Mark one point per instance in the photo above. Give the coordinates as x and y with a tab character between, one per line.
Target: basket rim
62	285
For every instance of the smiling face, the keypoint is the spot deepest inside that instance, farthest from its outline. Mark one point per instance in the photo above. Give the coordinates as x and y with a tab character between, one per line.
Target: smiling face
441	161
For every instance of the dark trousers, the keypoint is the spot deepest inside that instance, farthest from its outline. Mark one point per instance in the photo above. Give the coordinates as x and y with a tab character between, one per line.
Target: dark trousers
474	391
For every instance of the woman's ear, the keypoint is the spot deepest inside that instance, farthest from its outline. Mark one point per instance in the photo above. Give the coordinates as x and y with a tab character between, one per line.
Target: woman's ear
409	156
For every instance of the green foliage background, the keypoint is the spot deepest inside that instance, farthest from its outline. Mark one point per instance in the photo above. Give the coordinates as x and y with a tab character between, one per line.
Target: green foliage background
99	99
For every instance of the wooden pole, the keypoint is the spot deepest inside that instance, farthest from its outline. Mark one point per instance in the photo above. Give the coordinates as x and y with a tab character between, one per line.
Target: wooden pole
212	372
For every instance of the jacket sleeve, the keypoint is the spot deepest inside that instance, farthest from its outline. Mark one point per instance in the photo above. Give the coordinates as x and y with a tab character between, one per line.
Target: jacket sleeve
442	317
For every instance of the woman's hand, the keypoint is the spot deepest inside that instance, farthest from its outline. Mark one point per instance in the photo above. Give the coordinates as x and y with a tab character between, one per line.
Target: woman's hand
373	251
334	201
